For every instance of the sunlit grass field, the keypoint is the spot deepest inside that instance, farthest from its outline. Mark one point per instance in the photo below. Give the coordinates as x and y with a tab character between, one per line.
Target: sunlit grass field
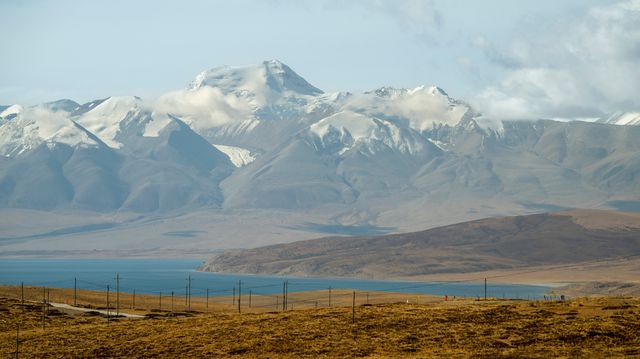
595	327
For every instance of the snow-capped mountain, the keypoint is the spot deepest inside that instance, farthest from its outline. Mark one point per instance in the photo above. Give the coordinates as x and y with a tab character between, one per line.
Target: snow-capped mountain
261	138
264	83
38	125
10	112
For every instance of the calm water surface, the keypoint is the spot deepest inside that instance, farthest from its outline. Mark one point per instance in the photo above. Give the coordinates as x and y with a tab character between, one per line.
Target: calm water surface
152	276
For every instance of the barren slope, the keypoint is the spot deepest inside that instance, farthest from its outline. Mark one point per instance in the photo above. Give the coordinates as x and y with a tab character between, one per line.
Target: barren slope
487	244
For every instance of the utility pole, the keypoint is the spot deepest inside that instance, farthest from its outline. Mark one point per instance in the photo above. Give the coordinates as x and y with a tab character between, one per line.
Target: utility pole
189	293
108	306
75	292
44	304
117	294
353	308
485	289
239	295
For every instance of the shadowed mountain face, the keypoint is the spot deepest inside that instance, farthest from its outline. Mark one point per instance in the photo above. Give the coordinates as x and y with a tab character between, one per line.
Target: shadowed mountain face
384	160
493	243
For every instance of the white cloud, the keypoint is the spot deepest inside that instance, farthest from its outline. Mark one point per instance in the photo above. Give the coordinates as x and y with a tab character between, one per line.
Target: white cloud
584	67
205	107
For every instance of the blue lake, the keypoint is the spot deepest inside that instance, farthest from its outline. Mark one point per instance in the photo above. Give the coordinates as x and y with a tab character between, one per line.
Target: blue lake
153	276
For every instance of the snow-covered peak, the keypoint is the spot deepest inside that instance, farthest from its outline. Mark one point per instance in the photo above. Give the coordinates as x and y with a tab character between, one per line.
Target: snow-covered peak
346	130
257	80
387	92
420	108
622	118
64	105
104	118
392	93
37	125
11	112
358	125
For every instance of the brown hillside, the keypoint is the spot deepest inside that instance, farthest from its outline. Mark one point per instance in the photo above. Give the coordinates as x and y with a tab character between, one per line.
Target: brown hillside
487	244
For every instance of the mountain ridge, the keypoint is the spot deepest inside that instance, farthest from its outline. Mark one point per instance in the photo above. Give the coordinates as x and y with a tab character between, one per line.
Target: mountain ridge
343	162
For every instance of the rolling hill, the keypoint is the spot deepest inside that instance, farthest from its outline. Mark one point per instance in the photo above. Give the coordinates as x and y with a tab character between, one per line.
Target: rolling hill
476	246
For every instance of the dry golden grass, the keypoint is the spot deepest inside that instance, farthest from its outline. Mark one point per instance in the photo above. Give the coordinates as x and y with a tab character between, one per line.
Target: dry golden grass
258	303
601	327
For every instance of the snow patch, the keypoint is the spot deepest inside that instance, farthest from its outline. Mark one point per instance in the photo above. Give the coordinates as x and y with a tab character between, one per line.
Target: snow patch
352	128
421	107
104	119
11	110
157	123
239	156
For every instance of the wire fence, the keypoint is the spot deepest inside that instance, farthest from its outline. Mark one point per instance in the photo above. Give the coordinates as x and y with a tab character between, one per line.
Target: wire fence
197	295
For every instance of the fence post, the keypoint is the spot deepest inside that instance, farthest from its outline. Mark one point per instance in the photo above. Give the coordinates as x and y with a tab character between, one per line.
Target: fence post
329	296
75	292
172	302
207	305
17	340
22	292
160	301
249	298
233	300
133	306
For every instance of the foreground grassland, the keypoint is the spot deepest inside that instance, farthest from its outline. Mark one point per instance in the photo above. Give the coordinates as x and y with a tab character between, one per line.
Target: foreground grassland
602	327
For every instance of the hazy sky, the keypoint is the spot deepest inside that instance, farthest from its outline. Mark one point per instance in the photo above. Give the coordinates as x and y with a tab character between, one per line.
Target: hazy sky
533	58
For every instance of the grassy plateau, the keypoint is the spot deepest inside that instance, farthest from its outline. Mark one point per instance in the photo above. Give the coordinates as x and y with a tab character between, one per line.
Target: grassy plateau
401	327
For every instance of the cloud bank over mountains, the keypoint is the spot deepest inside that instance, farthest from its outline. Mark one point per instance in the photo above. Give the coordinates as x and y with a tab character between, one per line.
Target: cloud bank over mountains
585	67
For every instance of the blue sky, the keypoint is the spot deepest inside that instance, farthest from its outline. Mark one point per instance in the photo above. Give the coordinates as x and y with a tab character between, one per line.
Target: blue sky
498	54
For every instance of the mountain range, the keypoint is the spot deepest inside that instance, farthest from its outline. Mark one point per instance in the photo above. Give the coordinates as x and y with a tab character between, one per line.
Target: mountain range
253	155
